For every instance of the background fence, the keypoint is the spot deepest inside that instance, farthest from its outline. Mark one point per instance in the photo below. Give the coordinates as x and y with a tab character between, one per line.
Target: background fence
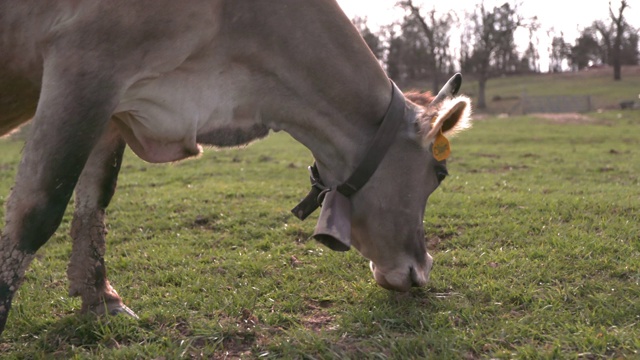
556	104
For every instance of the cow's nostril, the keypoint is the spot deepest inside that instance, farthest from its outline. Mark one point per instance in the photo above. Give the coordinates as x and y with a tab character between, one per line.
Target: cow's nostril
412	275
416	279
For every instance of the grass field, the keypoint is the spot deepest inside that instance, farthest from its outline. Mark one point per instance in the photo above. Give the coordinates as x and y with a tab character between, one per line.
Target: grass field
598	83
535	237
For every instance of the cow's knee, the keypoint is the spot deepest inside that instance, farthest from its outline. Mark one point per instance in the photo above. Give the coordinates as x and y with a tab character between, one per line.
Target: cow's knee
32	217
32	223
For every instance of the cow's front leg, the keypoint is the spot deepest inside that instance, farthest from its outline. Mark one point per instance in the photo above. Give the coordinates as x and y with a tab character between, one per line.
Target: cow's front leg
75	105
86	271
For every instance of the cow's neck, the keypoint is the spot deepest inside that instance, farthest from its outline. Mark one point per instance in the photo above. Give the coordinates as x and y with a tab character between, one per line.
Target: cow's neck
319	81
312	74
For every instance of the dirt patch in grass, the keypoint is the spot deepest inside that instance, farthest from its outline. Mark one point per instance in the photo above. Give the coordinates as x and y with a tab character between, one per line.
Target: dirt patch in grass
318	321
241	334
238	347
245	335
316	318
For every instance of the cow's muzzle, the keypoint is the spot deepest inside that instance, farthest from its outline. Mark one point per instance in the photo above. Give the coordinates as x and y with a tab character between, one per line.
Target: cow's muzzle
403	279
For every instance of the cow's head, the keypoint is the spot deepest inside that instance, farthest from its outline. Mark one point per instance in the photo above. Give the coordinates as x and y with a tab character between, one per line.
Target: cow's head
387	213
380	207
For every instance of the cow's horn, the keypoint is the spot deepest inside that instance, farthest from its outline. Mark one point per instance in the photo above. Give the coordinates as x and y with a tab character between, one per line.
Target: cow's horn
451	88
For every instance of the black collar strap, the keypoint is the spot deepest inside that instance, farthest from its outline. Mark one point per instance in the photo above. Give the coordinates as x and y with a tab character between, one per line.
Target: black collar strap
378	148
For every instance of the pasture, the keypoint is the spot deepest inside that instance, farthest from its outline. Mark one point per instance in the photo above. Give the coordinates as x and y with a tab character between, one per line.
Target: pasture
535	236
597	83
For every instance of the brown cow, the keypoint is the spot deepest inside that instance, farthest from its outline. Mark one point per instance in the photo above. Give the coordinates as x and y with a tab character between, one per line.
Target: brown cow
166	76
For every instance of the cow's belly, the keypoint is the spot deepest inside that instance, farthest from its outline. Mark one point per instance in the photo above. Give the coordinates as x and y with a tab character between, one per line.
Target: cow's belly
18	100
164	117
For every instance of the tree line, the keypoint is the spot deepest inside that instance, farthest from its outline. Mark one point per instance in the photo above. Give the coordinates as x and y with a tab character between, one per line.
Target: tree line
419	46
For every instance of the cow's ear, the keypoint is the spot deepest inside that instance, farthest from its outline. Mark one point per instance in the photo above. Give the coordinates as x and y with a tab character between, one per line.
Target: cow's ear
453	116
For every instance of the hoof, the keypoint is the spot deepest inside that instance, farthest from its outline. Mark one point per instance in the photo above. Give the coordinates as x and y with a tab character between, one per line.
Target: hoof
123	309
113	308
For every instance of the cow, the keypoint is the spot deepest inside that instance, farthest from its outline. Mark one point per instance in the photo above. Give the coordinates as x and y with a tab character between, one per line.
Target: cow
167	77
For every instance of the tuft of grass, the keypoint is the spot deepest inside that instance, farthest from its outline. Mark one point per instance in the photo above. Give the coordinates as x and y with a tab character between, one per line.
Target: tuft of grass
535	237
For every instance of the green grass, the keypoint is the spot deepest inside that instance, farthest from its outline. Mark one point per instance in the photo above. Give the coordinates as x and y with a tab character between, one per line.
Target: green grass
598	83
536	238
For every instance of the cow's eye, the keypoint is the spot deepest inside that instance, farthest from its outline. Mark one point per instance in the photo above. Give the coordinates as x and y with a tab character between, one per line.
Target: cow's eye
441	172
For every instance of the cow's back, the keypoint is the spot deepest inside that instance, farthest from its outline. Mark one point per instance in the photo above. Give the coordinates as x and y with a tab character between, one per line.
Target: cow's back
116	37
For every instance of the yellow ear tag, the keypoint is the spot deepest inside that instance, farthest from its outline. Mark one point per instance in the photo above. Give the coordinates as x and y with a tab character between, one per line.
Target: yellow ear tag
441	148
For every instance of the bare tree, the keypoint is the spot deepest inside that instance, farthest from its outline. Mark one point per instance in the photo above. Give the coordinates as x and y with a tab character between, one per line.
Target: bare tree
606	35
559	52
436	34
530	61
630	54
488	47
620	25
372	40
395	50
613	36
588	50
614	42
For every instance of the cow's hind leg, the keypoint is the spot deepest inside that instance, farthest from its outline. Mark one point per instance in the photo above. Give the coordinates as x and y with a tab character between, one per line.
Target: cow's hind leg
87	271
73	111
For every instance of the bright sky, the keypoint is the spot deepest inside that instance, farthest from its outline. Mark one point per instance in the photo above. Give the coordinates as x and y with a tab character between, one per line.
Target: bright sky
568	16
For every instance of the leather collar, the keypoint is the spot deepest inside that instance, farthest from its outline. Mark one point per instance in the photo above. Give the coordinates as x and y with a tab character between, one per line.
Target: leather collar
378	148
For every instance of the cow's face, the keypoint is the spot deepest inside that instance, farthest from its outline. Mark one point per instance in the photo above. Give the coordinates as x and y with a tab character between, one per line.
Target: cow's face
387	213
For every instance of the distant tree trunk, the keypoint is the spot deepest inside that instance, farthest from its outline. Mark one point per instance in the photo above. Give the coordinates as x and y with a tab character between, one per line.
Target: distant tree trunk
617	67
619	25
484	74
490	49
482	85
